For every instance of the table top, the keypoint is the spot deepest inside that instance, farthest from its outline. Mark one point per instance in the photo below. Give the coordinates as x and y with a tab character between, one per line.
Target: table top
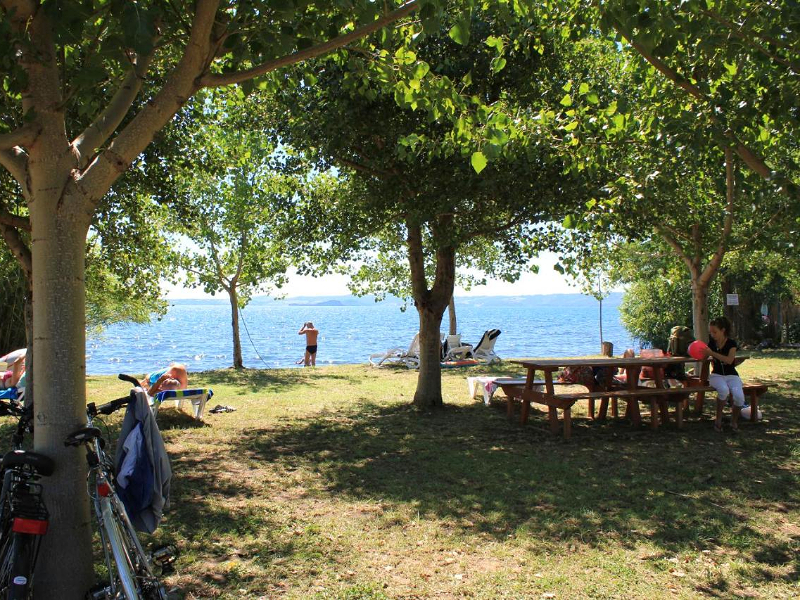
604	361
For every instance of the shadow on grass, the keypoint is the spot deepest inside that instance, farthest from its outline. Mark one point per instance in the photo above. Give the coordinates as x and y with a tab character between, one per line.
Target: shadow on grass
467	466
268	380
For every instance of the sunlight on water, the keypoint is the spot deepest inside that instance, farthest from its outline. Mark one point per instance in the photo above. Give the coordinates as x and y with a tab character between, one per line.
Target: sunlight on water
198	333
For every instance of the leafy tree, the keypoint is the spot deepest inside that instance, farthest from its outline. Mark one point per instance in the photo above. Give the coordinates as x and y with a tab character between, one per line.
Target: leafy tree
410	193
234	226
87	88
734	63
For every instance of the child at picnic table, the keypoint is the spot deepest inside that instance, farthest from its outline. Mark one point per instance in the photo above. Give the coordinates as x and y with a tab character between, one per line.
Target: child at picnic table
724	377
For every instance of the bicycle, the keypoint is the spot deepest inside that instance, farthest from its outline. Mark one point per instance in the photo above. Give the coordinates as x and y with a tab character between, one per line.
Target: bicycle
23	514
130	568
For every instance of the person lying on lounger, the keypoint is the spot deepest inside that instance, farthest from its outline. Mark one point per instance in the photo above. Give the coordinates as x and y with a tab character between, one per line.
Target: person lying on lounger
174	377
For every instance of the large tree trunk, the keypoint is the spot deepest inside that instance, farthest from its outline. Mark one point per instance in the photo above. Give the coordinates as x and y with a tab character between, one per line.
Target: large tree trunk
431	304
429	381
64	569
237	344
700	310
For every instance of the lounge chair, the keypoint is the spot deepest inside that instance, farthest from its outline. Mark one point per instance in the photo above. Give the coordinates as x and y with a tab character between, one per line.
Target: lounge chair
455	350
398	356
484	350
197	396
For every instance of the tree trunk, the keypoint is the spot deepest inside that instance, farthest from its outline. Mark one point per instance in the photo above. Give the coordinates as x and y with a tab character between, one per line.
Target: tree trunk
700	310
431	304
429	381
451	312
237	344
29	379
64	568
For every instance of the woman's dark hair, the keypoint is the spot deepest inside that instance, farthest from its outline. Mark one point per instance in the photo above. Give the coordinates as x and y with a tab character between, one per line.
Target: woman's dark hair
722	323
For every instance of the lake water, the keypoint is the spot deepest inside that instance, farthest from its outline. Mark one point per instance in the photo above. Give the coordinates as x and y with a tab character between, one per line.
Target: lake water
198	332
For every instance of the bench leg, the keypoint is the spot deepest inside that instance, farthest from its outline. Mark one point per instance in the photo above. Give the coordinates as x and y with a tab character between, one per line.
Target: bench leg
603	410
591	408
664	406
679	413
523	413
615	407
654	408
552	414
753	406
567	423
698	404
510	407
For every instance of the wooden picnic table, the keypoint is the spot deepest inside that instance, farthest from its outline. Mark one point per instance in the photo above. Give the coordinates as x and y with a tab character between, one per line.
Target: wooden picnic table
632	392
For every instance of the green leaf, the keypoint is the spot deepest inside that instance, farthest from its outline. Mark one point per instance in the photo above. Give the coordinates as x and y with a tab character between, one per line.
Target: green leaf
478	161
459	32
569	222
498	63
584	87
566	100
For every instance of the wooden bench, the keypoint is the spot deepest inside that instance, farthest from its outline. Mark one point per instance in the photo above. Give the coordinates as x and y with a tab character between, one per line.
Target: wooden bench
657	399
752	391
513	390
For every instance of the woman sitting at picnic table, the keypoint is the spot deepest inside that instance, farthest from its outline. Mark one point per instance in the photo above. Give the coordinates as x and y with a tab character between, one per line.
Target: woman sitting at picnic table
174	377
724	378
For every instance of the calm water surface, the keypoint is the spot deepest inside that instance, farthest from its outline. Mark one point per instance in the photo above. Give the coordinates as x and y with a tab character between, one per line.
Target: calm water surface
198	332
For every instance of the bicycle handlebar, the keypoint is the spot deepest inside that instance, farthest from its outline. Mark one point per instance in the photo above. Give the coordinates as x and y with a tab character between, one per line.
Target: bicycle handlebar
109	407
132	380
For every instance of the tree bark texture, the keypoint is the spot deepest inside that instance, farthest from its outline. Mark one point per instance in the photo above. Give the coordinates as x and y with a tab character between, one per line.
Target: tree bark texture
237	343
59	349
699	310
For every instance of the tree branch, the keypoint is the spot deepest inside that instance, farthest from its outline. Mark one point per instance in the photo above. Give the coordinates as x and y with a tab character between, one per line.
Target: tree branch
750	158
719	254
380	174
736	31
22	136
19	248
217	80
16	162
179	87
416	262
96	134
11	220
676	246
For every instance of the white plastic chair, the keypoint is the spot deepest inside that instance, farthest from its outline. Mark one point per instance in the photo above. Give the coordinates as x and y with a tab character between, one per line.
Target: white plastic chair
484	351
455	350
398	356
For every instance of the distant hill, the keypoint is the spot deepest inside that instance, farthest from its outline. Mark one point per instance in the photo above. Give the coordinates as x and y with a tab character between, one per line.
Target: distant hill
562	300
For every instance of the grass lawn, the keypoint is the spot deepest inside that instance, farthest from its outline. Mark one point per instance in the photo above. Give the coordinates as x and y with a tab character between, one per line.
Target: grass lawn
325	484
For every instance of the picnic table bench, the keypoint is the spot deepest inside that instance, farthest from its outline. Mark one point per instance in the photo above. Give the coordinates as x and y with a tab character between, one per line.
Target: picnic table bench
658	397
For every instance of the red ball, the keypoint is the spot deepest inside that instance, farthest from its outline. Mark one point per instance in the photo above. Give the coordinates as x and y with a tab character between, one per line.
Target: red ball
697	349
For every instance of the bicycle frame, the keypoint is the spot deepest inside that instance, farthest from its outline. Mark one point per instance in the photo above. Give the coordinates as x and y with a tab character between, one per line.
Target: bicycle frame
129	567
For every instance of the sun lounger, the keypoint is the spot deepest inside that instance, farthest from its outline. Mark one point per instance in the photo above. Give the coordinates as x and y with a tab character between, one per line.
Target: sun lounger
197	396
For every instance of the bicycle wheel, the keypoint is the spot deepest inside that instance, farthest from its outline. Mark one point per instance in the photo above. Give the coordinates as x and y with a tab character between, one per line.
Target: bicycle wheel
16	566
131	563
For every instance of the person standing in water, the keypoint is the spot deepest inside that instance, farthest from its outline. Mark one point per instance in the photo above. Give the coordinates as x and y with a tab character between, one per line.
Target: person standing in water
311	333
